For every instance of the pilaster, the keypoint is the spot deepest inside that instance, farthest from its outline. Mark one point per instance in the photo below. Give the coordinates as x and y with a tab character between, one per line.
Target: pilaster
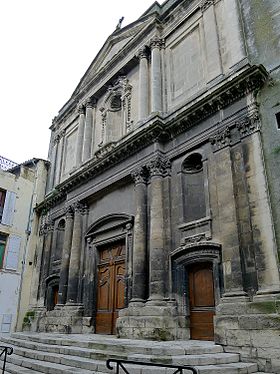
156	44
80	135
143	98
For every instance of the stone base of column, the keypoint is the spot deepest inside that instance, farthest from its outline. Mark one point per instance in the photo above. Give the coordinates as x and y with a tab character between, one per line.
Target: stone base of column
250	328
67	319
267	294
151	322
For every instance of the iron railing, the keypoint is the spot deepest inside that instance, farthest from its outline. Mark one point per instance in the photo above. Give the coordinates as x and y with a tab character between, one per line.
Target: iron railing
120	364
4	351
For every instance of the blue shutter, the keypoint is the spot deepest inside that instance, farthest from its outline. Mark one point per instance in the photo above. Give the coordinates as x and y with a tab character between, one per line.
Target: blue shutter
11	261
9	208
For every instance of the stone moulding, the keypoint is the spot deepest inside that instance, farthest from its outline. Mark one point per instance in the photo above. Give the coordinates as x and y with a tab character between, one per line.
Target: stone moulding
249	79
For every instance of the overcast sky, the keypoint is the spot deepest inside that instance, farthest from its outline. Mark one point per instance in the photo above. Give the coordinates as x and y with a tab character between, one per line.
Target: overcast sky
46	47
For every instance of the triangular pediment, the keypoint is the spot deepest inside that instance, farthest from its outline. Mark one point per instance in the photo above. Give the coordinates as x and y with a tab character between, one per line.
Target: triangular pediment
115	43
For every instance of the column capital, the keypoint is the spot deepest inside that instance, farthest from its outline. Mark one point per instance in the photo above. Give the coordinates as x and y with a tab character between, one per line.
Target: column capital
81	109
139	175
159	166
157	42
78	207
69	212
90	102
142	53
206	4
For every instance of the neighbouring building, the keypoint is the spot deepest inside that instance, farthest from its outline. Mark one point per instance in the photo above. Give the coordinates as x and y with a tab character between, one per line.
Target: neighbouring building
157	222
19	188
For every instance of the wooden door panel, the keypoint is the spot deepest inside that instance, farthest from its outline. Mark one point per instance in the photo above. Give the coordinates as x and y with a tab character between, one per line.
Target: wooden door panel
202	302
111	288
103	294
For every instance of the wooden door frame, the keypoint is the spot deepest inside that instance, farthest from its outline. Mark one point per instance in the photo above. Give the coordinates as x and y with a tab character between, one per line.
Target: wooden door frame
186	256
107	230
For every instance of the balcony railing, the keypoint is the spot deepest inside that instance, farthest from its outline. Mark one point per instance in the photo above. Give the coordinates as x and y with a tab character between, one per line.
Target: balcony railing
4	351
121	364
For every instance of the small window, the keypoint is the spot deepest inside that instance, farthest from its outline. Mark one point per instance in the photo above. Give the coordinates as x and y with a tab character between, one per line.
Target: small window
277	115
3	242
116	103
2	202
193	163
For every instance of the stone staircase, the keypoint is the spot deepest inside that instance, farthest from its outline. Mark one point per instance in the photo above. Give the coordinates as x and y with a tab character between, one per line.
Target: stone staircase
84	354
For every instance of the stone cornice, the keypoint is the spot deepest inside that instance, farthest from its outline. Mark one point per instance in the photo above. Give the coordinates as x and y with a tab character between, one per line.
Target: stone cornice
156	128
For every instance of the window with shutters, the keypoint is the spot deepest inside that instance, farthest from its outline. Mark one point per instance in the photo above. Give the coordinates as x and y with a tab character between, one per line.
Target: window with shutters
3	242
2	202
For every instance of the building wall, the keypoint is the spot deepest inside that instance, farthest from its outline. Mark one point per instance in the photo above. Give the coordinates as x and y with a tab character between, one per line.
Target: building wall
22	186
166	162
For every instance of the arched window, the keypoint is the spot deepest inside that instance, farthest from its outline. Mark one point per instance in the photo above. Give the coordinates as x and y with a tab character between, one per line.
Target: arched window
60	239
194	203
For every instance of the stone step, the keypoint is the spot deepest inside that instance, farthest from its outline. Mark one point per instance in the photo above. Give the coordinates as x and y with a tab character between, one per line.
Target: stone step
29	350
44	366
55	368
82	354
13	369
103	342
88	363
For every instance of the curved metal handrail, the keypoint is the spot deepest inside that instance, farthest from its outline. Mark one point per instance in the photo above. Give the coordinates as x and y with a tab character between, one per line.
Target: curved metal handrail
4	351
120	364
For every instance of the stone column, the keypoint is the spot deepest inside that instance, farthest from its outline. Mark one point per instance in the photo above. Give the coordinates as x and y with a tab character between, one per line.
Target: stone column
221	174
80	136
53	161
88	130
48	231
65	259
214	65
139	280
156	92
157	169
265	248
59	157
143	98
74	266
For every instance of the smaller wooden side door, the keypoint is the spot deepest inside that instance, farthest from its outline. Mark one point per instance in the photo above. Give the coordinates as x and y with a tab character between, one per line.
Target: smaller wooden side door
202	301
110	288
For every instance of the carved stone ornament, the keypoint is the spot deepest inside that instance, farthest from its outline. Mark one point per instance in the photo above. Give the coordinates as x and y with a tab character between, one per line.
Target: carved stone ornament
142	53
221	139
206	4
91	102
81	109
159	167
78	207
139	175
157	42
69	212
122	91
248	125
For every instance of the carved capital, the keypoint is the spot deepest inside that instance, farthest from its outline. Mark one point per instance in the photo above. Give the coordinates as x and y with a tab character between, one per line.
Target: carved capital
139	175
221	139
81	109
85	210
157	42
69	212
206	4
142	53
78	207
159	167
248	125
90	102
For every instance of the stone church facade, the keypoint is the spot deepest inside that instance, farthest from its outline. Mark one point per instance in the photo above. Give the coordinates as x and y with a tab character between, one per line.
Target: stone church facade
157	221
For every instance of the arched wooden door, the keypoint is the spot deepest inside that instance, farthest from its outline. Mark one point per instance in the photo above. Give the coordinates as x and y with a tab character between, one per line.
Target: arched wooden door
202	301
110	287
